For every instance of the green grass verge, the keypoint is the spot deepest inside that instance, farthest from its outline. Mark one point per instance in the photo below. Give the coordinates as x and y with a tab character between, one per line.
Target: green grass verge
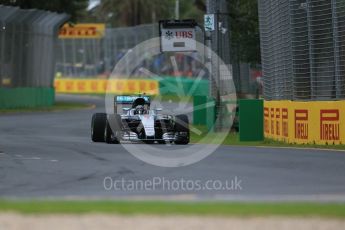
58	106
178	208
233	139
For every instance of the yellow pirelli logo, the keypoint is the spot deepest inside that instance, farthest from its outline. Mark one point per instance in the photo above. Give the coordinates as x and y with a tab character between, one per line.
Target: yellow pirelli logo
329	124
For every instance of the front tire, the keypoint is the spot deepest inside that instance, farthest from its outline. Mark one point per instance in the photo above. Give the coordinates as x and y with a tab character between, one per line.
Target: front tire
98	123
112	128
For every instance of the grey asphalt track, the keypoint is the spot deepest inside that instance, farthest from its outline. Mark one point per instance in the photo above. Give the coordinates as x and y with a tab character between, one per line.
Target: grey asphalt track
51	155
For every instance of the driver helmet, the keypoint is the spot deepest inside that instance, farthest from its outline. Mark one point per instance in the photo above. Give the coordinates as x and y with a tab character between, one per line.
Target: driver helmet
140	110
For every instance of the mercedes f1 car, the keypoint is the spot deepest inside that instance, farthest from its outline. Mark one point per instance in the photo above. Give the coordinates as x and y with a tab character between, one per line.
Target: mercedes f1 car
139	123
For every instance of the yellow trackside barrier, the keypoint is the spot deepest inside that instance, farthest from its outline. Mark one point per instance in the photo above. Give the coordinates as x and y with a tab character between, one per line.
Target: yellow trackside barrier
115	86
319	122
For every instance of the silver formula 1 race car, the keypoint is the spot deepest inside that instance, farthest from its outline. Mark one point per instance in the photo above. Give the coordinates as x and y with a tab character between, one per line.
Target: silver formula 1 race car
139	123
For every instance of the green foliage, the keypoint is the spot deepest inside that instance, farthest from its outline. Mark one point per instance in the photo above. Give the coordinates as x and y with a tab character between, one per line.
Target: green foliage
245	36
131	12
73	7
190	10
135	12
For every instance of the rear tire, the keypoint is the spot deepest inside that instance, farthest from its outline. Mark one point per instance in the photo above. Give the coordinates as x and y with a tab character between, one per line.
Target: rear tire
182	130
98	123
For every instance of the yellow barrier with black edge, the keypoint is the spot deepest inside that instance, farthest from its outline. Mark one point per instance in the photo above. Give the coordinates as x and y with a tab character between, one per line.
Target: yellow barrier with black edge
101	86
317	122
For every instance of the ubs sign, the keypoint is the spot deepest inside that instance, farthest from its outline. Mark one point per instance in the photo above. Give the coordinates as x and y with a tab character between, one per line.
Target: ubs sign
177	35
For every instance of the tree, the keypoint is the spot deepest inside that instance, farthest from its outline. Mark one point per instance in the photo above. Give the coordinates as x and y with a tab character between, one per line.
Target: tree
75	8
131	12
245	36
244	26
135	12
193	10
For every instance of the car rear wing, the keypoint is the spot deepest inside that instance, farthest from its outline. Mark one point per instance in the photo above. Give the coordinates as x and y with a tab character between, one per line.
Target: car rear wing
124	101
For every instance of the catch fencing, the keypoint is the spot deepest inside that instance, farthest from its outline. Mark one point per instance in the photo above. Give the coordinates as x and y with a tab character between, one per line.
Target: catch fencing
97	57
27	46
303	44
94	57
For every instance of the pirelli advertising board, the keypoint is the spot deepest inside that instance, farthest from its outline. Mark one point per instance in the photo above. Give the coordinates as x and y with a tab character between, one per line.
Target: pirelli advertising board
82	30
321	122
116	86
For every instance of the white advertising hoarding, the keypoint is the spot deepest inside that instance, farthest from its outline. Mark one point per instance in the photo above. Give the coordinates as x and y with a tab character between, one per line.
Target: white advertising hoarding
178	39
